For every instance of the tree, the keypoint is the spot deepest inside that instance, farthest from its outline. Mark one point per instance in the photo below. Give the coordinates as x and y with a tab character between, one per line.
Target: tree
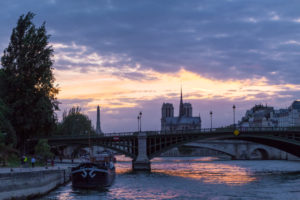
42	150
7	135
5	150
27	81
75	123
6	127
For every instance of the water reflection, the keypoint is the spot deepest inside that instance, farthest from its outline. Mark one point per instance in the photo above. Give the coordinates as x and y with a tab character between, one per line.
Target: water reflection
184	159
201	168
213	173
205	159
65	196
68	192
122	170
194	178
142	193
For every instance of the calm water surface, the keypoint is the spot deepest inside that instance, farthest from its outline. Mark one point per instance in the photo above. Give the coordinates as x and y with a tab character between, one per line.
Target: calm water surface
197	178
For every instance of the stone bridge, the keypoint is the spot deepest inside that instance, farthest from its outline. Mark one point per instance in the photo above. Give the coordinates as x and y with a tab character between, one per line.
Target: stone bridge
144	146
239	149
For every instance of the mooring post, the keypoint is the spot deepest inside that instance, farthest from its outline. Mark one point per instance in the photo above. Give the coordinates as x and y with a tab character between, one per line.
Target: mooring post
142	162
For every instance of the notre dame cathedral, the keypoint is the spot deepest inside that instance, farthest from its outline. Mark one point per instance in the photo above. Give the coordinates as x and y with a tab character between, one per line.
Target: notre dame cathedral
185	120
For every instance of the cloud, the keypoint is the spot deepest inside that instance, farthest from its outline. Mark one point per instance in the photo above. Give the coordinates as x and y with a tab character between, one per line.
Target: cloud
133	54
207	37
80	58
121	104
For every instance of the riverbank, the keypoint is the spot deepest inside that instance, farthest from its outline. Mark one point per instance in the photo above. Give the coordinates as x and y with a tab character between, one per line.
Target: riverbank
22	183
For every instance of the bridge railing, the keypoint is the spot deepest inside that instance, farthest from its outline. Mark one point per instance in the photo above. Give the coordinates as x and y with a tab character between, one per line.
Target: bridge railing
229	129
87	136
269	129
121	134
189	131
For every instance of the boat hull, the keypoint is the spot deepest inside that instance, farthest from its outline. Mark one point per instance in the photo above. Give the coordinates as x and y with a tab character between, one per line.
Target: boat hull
89	175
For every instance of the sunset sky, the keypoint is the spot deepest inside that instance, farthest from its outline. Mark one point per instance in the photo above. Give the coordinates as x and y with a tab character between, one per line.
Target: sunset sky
132	55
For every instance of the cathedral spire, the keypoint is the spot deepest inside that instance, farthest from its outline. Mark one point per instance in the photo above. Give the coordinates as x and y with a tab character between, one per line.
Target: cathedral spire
181	109
98	127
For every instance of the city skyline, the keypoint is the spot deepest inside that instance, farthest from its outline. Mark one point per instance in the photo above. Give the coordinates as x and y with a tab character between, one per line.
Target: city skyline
131	56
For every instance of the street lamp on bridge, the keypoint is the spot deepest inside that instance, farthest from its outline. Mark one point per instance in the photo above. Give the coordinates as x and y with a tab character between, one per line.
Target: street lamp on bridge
140	121
138	118
233	107
210	120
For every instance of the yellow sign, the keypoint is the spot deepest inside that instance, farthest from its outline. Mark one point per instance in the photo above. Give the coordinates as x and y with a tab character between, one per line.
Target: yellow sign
236	132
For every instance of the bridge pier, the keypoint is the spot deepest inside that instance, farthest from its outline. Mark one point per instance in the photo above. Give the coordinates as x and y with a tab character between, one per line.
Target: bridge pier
142	162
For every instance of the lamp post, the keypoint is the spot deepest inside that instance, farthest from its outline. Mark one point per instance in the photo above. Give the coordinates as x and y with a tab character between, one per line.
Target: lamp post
210	120
140	118
233	107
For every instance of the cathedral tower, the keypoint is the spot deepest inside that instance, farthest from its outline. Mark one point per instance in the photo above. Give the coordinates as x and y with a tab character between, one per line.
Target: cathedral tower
184	121
188	110
167	111
181	107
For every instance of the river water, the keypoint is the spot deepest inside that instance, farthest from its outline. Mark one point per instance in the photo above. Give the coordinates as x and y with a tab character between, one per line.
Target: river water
197	178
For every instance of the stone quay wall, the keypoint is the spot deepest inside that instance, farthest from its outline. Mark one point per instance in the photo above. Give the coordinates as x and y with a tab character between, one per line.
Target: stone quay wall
31	183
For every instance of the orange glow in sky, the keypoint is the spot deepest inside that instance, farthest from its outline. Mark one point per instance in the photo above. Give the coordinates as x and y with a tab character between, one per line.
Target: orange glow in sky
86	76
112	91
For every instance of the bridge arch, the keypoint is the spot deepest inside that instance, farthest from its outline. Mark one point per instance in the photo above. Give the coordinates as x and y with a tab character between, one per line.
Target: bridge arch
72	149
156	144
194	144
261	152
236	149
212	147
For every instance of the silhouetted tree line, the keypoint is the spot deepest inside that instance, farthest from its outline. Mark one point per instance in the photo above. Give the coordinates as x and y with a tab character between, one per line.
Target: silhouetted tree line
27	93
74	122
27	82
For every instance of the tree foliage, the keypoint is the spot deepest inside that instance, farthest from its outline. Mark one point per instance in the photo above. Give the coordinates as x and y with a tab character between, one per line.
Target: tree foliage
75	123
6	150
43	149
27	81
7	135
6	127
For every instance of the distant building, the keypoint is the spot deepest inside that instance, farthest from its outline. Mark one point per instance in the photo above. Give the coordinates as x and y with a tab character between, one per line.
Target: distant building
185	120
289	117
265	116
258	116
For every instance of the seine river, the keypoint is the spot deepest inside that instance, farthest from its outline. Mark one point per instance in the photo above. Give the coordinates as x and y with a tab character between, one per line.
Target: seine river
197	178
